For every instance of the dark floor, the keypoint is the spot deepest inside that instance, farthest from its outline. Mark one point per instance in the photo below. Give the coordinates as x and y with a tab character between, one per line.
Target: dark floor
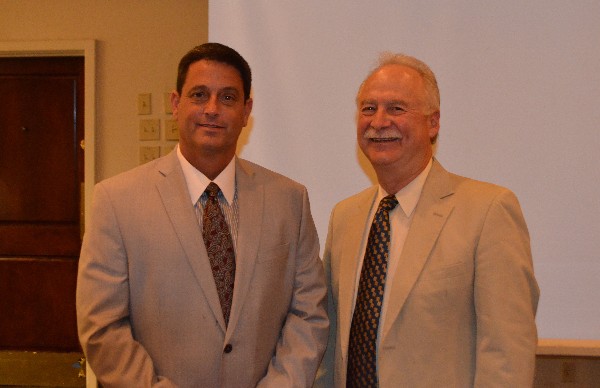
40	369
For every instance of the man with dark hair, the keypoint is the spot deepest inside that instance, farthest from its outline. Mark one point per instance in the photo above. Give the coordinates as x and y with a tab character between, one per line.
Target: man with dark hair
219	53
200	269
430	274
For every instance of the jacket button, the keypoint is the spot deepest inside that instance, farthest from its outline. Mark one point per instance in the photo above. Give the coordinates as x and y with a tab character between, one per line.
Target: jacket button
228	348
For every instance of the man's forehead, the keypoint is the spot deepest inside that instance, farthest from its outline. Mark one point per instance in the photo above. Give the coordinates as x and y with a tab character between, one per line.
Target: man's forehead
206	72
392	82
385	100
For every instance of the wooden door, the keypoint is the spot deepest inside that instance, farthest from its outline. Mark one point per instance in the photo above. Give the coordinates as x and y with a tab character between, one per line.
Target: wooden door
41	177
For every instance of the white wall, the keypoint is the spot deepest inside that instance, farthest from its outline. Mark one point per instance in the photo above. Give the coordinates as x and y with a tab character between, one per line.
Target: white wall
520	85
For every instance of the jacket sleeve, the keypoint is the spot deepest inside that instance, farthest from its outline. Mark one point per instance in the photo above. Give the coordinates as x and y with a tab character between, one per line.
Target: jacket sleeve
506	296
303	337
103	322
325	373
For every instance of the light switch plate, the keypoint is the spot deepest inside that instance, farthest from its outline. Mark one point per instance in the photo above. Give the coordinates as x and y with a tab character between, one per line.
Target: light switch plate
144	103
149	153
150	129
171	130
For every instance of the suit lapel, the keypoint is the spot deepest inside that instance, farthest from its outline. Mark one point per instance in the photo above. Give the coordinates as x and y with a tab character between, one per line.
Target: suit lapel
350	257
251	209
174	194
431	213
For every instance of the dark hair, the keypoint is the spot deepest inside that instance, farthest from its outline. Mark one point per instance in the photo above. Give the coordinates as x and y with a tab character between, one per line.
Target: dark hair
215	52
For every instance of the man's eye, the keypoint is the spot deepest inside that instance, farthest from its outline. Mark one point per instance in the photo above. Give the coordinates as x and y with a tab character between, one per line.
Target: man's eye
198	95
368	110
396	110
228	99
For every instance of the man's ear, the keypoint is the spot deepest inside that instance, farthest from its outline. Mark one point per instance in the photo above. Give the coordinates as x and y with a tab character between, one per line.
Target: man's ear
247	110
434	124
174	102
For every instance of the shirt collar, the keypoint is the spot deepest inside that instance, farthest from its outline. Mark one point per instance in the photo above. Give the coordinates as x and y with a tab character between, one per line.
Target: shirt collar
409	195
197	182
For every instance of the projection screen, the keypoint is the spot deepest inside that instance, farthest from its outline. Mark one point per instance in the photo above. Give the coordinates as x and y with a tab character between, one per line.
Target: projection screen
519	86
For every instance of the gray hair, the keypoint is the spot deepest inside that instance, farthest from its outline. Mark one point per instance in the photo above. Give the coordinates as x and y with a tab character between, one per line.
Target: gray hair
431	86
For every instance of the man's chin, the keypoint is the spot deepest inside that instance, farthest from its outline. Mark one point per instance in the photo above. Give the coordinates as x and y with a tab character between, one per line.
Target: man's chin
382	156
216	148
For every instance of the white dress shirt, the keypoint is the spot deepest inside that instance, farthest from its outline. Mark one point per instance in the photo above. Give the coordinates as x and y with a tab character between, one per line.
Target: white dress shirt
197	184
400	219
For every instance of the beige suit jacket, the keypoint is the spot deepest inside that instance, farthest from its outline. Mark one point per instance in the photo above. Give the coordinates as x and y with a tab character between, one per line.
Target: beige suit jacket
462	306
147	306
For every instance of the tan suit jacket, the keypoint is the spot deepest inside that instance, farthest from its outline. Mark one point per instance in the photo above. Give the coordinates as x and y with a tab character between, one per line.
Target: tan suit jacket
147	306
462	306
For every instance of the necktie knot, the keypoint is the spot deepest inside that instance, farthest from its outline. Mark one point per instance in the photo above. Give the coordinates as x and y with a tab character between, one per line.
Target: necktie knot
388	203
212	190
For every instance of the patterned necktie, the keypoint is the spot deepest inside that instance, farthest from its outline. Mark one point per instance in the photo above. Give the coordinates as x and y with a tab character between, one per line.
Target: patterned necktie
362	356
219	246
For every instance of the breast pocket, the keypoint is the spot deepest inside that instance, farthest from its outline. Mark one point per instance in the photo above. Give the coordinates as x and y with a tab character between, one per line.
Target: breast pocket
445	278
274	272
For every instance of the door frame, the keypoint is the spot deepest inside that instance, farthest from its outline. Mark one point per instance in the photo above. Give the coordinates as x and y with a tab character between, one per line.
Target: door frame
87	49
79	48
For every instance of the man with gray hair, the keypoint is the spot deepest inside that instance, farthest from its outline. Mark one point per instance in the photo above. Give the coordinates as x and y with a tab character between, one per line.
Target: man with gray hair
430	276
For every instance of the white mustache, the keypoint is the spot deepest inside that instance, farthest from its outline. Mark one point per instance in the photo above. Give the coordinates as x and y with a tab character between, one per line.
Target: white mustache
388	133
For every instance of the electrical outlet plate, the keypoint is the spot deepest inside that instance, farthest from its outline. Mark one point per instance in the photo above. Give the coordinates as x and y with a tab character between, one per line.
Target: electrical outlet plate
150	129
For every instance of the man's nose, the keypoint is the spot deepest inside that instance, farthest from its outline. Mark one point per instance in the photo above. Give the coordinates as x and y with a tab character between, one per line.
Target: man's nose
212	106
380	119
